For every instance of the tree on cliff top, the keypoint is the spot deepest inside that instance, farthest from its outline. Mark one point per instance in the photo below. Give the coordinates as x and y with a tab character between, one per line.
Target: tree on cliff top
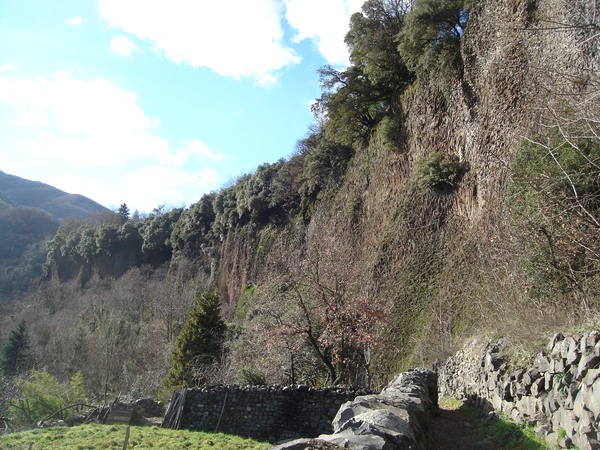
429	43
199	344
354	101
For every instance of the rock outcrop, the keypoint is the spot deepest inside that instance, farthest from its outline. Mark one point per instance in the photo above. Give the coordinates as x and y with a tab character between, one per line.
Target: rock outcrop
559	393
398	418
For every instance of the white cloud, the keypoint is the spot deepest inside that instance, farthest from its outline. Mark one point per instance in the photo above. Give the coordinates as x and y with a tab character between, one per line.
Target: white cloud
199	148
195	149
121	45
74	21
83	121
84	136
31	117
326	22
237	38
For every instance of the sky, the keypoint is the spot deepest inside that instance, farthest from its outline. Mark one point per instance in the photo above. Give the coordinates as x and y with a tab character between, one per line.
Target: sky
156	102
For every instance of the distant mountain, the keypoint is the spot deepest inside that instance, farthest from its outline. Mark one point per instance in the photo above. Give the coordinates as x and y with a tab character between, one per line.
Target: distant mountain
16	191
5	203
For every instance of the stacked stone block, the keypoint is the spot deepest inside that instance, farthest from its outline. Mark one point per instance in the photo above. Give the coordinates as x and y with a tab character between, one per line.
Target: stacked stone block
265	413
559	393
398	418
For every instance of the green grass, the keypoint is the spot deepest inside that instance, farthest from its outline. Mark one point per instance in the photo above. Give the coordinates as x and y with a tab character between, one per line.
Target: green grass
516	436
95	436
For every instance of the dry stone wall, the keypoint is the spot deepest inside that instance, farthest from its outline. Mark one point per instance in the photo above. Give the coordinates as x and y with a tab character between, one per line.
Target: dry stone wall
398	418
265	413
559	393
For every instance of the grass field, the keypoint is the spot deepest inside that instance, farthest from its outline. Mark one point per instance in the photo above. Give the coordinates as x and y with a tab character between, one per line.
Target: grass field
95	436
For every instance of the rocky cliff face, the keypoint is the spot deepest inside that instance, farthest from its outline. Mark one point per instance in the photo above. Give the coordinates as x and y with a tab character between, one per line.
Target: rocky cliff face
446	260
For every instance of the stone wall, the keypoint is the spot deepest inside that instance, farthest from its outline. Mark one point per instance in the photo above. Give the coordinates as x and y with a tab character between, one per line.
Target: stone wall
265	413
400	417
559	393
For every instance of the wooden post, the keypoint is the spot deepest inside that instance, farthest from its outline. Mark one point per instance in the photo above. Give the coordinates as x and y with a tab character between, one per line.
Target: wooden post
126	438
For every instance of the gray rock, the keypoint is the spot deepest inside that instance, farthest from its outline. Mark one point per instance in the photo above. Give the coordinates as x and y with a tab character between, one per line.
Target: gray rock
397	418
527	406
593	400
386	425
592	338
305	444
571	391
591	376
569	350
351	409
542	363
516	415
560	390
530	376
580	401
557	365
356	442
552	439
543	429
505	391
518	374
589	359
392	422
557	338
538	386
565	420
496	401
548	378
493	361
585	424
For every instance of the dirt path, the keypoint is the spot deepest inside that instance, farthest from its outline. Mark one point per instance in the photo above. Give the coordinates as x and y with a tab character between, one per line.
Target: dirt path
455	429
459	427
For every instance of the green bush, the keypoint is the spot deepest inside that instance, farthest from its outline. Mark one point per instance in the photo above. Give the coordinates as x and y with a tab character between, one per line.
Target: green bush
439	171
41	396
252	377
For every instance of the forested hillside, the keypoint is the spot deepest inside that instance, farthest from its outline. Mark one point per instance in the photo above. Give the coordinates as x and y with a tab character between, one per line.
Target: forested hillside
30	214
450	186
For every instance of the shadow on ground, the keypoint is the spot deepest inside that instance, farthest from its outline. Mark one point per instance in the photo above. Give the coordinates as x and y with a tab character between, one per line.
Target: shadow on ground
463	427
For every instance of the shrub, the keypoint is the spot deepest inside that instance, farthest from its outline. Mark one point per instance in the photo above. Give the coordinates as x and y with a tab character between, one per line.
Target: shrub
439	171
252	377
41	396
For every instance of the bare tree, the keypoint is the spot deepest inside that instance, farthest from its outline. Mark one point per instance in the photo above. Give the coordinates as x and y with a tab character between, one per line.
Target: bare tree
561	162
309	302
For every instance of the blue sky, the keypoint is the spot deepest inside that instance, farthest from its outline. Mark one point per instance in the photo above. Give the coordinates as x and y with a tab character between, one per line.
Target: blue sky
152	102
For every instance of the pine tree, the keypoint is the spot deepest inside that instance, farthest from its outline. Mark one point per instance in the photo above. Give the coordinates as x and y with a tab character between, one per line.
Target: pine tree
199	344
13	357
123	213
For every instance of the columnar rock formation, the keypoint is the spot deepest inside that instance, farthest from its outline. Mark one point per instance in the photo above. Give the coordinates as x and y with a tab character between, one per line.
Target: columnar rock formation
559	393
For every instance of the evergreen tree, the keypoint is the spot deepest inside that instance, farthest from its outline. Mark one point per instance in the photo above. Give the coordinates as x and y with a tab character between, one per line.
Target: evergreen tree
429	43
13	357
123	213
354	101
199	344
